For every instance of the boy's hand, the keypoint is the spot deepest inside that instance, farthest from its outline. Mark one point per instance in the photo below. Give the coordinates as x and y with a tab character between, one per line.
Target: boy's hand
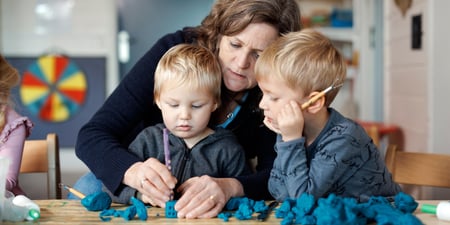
291	121
270	126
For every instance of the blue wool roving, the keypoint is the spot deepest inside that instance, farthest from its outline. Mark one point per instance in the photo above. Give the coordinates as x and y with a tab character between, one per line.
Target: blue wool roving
225	216
332	210
303	209
233	203
129	213
97	201
260	206
244	212
337	210
340	210
304	205
141	209
405	203
285	208
288	219
245	207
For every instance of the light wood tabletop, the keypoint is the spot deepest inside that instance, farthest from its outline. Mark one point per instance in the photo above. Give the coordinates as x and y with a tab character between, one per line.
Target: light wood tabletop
57	212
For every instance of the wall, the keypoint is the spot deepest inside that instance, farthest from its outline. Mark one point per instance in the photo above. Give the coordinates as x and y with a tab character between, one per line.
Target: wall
416	80
88	32
439	80
406	82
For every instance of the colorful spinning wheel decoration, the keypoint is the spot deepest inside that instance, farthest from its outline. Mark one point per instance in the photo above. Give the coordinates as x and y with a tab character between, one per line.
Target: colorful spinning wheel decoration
53	88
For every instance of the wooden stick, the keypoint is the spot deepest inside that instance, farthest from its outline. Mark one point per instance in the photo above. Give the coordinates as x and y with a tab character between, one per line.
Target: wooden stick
316	97
73	191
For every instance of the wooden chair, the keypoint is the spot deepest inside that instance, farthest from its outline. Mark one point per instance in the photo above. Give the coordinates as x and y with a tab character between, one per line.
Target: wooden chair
42	156
424	169
374	133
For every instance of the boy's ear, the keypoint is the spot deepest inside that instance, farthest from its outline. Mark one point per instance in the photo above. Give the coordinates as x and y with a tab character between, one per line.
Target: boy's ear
215	107
317	105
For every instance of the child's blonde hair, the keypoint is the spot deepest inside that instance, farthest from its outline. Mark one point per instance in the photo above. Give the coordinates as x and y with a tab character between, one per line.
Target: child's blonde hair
9	77
191	65
306	60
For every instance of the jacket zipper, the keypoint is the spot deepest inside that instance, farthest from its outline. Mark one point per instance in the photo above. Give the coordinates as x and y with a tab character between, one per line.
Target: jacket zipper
180	172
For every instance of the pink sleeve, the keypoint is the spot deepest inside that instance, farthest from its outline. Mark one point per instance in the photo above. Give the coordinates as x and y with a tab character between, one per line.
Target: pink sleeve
12	139
13	149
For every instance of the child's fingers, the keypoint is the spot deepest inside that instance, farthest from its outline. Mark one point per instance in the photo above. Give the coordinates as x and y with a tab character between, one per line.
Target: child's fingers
269	125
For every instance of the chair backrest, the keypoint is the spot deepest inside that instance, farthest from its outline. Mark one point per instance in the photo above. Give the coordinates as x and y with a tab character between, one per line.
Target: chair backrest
42	156
373	133
425	169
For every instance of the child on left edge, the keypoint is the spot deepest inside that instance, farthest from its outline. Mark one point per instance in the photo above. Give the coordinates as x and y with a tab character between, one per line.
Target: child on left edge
14	128
319	151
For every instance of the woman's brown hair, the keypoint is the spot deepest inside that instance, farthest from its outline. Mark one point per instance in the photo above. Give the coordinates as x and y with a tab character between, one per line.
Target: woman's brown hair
230	17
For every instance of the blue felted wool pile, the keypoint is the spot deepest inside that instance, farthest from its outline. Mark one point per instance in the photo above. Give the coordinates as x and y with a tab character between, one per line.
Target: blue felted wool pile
332	210
340	210
137	208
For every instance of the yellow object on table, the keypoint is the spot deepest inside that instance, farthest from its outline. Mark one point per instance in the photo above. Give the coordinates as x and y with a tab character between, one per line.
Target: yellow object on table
63	211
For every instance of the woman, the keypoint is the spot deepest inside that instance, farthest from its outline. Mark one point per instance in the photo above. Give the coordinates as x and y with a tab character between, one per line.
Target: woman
14	128
237	31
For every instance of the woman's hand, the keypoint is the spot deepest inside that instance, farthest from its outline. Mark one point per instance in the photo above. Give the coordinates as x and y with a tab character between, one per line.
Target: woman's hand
205	196
153	180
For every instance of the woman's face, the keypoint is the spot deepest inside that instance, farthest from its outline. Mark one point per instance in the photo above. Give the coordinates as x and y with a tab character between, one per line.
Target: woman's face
238	55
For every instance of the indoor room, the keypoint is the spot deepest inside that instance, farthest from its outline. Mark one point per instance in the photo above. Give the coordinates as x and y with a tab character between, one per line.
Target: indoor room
394	86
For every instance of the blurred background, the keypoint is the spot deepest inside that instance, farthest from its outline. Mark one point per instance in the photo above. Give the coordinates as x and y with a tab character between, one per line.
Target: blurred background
395	52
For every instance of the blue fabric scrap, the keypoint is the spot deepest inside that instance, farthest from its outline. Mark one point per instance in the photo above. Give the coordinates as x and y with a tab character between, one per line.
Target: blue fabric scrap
244	212
137	207
405	203
141	209
97	202
225	216
260	206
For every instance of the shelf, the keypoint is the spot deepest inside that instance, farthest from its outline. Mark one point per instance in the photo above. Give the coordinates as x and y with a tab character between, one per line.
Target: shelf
337	33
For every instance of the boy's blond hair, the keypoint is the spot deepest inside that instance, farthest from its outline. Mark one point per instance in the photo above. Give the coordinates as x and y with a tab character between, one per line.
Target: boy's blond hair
306	60
190	65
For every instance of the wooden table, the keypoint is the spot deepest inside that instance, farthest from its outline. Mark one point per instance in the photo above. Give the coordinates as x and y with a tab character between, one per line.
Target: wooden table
58	212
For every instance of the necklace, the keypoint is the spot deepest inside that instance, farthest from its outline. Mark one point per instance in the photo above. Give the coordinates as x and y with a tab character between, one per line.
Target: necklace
231	115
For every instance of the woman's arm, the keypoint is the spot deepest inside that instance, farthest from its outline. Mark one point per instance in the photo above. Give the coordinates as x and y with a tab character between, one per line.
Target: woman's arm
255	184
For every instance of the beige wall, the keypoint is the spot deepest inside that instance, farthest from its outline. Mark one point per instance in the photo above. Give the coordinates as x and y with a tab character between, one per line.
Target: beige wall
406	82
416	81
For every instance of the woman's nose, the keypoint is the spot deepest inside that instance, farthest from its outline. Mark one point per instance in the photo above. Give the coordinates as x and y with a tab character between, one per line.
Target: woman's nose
243	61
